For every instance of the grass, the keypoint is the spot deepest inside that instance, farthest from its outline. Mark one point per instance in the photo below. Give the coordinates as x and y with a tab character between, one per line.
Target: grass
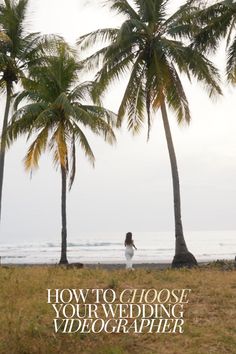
26	319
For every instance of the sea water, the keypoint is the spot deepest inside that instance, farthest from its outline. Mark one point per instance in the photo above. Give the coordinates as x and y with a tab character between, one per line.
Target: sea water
157	247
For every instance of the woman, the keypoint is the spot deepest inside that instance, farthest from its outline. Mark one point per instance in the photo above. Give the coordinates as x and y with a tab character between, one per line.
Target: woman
129	250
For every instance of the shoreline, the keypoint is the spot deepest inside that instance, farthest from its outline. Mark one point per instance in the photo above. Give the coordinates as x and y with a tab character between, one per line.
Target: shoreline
106	265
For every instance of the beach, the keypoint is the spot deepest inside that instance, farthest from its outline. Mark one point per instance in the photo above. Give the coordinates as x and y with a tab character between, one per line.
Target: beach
116	266
108	248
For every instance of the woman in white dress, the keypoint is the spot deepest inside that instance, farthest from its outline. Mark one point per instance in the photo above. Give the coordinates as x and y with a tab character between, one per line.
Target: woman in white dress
129	250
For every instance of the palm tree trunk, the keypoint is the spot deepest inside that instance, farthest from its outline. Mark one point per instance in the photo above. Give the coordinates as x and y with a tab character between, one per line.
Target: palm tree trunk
2	146
63	259
182	256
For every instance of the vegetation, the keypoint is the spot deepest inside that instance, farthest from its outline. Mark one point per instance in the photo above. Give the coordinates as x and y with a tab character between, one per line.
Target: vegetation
149	45
18	51
145	45
57	114
55	109
27	319
207	25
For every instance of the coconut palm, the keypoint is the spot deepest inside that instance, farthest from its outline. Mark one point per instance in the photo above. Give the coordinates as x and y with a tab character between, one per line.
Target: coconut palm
146	49
206	26
17	50
56	116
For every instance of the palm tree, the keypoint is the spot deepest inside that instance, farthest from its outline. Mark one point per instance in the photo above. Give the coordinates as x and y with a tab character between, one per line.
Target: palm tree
146	47
56	116
17	50
206	26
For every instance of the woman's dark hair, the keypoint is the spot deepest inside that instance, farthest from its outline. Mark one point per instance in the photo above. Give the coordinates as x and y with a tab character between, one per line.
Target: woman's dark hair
128	239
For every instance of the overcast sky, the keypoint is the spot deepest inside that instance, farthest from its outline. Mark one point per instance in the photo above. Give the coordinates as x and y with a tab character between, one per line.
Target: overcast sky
130	187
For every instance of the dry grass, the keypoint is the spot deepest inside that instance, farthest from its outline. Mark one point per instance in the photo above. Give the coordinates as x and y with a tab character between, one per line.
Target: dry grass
26	318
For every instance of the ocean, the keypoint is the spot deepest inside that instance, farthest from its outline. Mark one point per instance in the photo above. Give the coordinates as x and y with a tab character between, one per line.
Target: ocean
109	248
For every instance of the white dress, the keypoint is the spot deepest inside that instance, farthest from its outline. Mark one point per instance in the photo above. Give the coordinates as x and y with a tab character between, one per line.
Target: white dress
129	252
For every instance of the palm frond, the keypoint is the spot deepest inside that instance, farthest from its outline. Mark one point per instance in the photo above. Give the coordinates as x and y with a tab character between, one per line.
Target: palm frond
82	92
204	71
176	98
78	134
216	21
133	101
95	60
231	29
184	22
112	71
35	150
93	118
63	104
176	52
73	162
99	36
23	122
124	8
231	62
58	144
12	16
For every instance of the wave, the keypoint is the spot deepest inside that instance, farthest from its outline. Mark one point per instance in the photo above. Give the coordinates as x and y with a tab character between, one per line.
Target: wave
3	257
87	244
56	245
